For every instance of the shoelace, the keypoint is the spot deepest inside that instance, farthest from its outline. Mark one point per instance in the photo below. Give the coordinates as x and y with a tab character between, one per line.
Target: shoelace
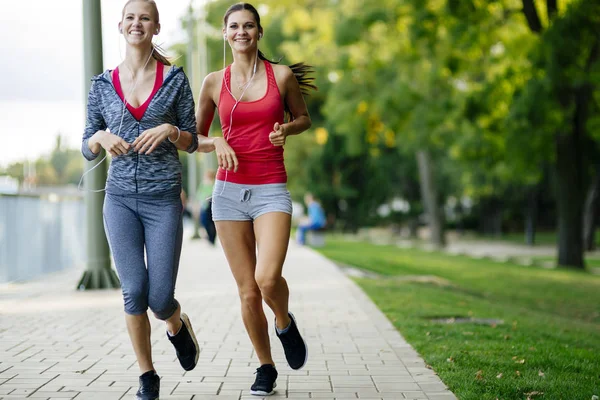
148	385
262	377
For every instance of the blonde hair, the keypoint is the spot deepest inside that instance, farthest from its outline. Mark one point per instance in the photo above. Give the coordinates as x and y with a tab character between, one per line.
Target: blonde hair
158	54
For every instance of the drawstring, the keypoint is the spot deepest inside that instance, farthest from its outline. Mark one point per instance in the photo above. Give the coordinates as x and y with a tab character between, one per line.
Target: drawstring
245	195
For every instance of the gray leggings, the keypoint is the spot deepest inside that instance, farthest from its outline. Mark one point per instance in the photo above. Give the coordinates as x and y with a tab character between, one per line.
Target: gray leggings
132	223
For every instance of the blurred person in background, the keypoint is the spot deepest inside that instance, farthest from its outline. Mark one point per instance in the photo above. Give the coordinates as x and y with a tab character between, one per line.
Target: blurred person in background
314	221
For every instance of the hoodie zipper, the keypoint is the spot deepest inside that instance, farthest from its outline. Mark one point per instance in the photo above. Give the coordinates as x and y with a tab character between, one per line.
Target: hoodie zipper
169	77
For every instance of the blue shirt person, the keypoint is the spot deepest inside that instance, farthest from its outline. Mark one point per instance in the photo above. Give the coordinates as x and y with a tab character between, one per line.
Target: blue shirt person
316	219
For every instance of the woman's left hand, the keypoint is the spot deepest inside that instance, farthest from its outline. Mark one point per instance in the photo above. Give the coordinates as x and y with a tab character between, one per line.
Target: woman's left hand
277	137
149	140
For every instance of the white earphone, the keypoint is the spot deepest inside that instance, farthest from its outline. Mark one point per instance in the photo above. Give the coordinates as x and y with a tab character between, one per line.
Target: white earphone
227	135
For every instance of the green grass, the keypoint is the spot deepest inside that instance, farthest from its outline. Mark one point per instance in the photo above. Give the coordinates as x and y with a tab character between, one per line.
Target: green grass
541	238
551	321
590	262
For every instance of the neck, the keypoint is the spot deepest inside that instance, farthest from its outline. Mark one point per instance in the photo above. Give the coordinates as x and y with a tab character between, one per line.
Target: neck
137	59
244	64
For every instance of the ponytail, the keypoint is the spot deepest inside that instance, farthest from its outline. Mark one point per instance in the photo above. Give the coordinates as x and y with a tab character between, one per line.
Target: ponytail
159	55
302	73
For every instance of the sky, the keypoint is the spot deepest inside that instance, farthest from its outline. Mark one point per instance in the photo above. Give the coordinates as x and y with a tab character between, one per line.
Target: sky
42	87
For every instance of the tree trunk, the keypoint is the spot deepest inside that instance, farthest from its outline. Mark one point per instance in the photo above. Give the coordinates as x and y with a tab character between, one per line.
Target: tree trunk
552	7
490	217
532	16
531	218
497	220
569	198
570	194
429	195
569	153
413	228
591	211
570	165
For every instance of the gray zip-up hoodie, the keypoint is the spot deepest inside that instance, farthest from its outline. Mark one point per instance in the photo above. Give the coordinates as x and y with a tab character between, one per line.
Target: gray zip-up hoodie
134	173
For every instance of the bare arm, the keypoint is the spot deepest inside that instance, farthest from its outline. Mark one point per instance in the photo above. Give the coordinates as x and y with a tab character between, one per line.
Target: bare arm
204	116
185	138
295	102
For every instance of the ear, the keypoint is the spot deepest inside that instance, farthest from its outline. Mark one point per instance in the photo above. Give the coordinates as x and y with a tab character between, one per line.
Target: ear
120	28
157	29
224	35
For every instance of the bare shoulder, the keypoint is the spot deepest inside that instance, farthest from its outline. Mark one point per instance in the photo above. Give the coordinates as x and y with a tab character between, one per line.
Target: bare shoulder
213	79
282	72
211	86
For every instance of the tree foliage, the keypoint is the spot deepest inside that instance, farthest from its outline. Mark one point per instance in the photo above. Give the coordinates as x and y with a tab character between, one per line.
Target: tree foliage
484	86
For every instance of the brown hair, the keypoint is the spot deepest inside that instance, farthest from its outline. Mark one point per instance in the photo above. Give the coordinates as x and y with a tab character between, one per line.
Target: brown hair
158	54
301	70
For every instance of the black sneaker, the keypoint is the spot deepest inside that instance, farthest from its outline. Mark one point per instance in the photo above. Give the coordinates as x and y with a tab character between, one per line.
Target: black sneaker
185	344
294	346
149	386
265	381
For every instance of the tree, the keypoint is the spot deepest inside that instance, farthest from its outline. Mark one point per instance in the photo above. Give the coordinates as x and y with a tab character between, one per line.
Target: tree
564	80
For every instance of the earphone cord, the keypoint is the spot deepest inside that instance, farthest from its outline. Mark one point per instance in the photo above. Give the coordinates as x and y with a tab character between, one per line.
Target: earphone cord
118	131
237	101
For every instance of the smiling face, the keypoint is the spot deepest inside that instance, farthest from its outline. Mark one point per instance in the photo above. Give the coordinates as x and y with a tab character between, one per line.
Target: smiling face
140	22
242	31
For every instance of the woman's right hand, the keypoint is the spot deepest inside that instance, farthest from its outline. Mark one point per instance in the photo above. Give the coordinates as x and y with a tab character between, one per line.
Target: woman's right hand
225	155
112	143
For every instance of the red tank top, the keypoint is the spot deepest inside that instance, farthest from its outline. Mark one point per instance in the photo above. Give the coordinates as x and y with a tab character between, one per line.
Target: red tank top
259	161
138	112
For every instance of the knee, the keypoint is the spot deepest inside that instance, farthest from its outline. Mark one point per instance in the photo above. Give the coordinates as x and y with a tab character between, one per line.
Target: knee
250	296
267	284
162	306
136	300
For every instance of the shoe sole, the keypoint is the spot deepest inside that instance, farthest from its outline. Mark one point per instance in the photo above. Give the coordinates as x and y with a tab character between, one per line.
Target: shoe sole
303	342
263	393
188	324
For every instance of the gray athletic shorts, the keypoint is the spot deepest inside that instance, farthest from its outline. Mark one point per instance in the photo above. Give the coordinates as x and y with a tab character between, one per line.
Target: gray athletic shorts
238	202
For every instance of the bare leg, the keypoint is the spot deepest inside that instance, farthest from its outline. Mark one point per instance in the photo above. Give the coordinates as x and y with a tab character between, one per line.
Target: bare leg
237	239
174	322
138	327
272	231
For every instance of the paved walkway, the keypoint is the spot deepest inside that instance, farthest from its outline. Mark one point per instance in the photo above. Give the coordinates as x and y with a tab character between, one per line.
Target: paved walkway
57	343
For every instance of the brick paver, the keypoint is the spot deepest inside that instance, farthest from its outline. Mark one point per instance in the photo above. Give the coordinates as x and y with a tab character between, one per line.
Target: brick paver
58	343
